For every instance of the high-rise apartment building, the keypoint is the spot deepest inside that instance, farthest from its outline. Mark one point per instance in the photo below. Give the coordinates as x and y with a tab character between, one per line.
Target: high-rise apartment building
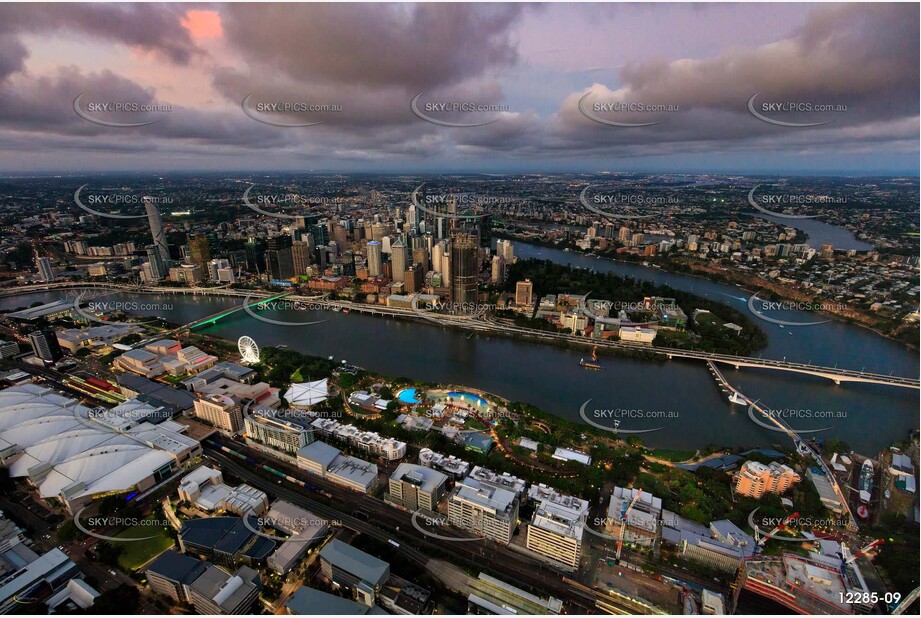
755	479
497	269
157	268
45	271
156	228
464	269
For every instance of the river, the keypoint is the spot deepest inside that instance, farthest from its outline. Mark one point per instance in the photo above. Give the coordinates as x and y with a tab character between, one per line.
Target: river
679	399
820	233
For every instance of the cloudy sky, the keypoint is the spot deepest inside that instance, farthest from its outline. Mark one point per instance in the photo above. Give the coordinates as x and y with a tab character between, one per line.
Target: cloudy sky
551	77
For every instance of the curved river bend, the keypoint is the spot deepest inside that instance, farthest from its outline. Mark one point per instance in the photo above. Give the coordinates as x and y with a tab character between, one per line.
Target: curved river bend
678	399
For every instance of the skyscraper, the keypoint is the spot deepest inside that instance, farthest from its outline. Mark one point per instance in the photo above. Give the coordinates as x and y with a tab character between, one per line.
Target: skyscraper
399	259
497	271
45	271
301	254
279	261
255	254
45	345
506	250
374	259
156	228
464	269
200	250
157	267
421	257
413	279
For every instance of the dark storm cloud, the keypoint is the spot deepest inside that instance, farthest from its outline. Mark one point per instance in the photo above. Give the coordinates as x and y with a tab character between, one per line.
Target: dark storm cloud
153	27
372	59
415	47
12	56
44	106
863	56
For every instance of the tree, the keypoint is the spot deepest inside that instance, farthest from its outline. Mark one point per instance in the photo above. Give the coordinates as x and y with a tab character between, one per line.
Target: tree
109	553
122	601
68	532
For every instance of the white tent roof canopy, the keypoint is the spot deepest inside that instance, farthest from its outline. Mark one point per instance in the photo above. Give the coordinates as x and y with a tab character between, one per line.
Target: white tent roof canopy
307	394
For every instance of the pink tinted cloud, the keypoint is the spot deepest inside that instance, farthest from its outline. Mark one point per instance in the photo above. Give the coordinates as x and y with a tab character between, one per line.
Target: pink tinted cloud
203	24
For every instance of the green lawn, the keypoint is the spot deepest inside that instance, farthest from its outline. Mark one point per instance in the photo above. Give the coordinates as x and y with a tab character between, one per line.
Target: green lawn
708	319
673	455
136	553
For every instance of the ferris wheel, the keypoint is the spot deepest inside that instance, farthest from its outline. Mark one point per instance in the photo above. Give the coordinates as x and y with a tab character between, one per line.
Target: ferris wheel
249	351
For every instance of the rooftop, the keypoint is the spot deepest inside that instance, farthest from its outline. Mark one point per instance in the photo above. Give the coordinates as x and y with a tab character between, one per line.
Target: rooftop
354	561
427	479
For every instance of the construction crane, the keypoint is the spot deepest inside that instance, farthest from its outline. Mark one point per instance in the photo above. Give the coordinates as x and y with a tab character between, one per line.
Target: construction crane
906	602
776	529
849	559
623	522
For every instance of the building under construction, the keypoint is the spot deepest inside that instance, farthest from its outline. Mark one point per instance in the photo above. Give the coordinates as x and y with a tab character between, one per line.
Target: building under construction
815	585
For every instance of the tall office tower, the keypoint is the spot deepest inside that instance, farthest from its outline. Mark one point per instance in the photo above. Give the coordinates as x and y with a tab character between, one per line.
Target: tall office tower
437	264
279	261
158	269
156	228
464	267
452	213
524	293
440	227
375	259
445	264
200	250
497	271
429	243
255	254
301	253
45	271
45	345
413	279
399	259
379	231
412	218
348	264
340	236
421	257
320	233
304	221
